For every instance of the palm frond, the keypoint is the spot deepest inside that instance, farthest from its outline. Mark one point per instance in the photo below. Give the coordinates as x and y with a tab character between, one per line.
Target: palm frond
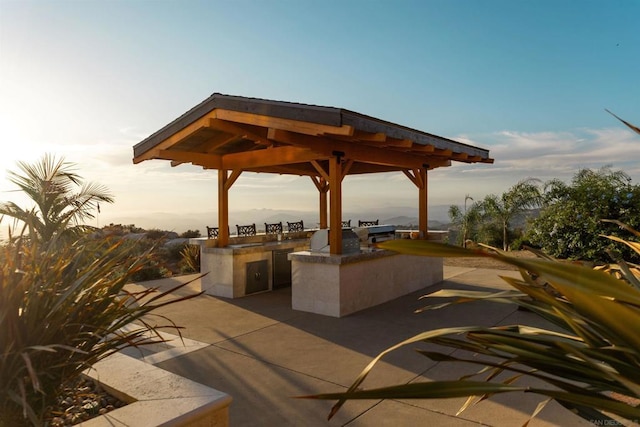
595	353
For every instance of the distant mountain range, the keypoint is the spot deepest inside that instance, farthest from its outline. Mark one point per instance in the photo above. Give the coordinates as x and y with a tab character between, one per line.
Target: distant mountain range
404	217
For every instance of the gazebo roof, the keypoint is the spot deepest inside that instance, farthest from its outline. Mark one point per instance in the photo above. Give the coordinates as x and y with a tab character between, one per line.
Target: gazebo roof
236	133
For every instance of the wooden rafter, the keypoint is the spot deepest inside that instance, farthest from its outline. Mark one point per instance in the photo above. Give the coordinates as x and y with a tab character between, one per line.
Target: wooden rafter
372	139
283	124
212	161
240	131
423	148
182	134
357	152
459	156
300	169
443	152
268	157
212	146
400	143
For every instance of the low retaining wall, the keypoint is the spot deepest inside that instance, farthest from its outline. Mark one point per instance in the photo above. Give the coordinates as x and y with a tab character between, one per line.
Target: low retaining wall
156	397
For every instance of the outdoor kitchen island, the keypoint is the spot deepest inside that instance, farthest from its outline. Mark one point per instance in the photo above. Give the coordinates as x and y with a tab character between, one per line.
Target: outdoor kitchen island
339	285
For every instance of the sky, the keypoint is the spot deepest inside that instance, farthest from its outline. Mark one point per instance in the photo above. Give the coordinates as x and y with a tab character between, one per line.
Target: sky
527	80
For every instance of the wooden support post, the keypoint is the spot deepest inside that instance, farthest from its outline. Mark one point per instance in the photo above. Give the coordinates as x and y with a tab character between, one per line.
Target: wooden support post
423	203
335	198
419	179
225	181
324	204
223	209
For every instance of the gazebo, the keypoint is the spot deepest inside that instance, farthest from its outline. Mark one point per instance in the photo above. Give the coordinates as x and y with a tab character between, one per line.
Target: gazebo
233	135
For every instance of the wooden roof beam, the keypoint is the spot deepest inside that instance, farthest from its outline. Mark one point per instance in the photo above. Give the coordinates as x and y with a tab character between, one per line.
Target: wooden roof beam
460	156
423	148
443	152
185	132
376	139
275	156
368	136
300	169
357	152
306	128
212	146
209	161
400	143
237	130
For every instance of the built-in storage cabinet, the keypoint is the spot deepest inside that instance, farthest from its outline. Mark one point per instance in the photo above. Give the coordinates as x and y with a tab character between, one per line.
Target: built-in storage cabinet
257	279
245	268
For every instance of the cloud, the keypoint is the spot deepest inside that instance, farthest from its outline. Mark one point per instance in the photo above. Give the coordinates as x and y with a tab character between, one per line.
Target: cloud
543	155
555	153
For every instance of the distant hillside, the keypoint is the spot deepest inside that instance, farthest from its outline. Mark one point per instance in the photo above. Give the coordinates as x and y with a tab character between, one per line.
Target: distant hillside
405	217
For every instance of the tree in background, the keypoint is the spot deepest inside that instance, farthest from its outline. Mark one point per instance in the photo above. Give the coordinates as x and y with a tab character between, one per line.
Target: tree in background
466	221
62	201
570	221
516	201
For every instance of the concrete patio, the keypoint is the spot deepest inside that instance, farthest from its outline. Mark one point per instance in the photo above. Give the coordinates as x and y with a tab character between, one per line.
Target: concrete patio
263	353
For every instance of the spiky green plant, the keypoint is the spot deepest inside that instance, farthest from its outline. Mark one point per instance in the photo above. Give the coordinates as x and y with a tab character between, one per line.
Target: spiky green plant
584	368
61	310
190	262
61	200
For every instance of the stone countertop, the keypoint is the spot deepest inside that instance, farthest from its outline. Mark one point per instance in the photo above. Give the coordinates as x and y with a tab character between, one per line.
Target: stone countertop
365	254
251	247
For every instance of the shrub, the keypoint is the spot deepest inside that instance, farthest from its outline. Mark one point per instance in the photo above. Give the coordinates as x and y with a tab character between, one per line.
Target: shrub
155	234
62	310
190	234
571	218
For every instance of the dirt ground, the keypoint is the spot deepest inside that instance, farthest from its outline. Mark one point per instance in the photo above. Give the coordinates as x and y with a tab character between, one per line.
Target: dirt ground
482	262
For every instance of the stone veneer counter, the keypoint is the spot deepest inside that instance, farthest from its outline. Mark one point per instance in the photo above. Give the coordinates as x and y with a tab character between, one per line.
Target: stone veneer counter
338	285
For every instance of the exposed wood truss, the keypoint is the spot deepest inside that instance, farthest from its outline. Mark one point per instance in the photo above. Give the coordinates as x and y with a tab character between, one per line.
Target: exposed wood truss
225	139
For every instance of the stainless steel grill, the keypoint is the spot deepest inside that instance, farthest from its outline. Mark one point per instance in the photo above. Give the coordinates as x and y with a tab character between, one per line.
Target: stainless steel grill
320	241
380	233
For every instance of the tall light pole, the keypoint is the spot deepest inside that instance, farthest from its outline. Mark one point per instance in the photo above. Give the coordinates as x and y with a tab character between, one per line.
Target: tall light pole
465	221
466	197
